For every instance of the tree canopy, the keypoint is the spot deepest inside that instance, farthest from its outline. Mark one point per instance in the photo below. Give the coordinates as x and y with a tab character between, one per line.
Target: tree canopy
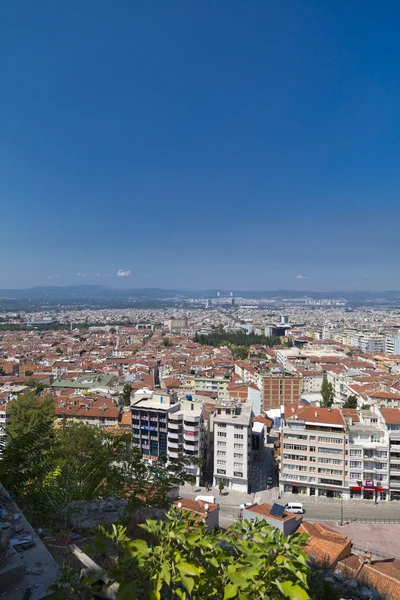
28	410
327	393
78	462
350	402
220	337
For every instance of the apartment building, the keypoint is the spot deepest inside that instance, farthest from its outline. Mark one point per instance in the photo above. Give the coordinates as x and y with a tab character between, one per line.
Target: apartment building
232	425
150	423
392	345
176	324
186	433
372	344
219	385
368	456
280	389
389	418
313	452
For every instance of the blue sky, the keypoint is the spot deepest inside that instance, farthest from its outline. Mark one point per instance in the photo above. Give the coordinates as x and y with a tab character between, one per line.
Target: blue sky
246	145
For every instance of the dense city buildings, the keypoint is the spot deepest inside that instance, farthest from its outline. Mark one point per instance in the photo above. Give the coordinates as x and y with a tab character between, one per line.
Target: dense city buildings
192	400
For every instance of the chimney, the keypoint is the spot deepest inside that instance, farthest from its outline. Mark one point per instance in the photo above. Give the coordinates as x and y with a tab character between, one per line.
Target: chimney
316	414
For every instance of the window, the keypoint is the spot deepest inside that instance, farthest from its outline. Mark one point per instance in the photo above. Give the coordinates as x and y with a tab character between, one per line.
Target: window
237	465
238	446
222	444
221	462
330	450
312	448
355	452
238	436
221	433
221	453
355	464
356	476
237	474
221	424
295	447
221	471
237	455
330	440
238	426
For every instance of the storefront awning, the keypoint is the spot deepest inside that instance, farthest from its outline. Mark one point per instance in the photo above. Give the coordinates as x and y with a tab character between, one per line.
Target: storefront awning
356	488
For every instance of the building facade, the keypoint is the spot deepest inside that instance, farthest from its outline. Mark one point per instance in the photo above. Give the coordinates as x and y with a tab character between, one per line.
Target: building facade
232	425
280	389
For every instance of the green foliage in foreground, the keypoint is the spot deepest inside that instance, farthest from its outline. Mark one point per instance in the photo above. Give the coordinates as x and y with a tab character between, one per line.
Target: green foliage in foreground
185	560
46	469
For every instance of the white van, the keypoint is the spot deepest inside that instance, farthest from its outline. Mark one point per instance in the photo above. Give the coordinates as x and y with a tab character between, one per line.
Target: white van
209	499
294	507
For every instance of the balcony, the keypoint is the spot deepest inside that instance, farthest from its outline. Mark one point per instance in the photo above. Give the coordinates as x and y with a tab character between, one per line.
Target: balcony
194	448
174	426
174	453
175	444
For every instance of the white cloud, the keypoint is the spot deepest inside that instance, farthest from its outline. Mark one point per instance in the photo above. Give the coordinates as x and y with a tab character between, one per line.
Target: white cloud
104	275
301	277
82	274
122	273
52	276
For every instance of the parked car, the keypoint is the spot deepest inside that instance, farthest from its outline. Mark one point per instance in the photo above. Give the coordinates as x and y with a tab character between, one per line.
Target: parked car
294	507
247	504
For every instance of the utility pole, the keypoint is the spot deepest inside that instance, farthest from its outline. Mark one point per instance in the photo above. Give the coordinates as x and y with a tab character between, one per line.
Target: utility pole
341	508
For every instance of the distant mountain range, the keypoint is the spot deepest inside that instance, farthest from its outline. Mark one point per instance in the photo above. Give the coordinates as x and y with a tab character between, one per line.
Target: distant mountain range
100	292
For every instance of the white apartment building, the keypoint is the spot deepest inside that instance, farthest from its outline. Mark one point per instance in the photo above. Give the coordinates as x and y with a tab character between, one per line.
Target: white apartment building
389	418
232	445
372	344
392	345
186	433
368	456
313	452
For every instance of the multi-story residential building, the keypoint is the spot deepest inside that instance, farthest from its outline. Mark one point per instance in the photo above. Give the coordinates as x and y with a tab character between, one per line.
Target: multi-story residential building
313	452
367	456
232	426
212	384
372	344
392	345
186	433
280	389
390	419
176	324
150	423
312	381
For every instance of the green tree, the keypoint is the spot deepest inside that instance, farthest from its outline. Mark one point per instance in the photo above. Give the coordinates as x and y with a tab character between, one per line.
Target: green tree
78	462
58	350
28	410
36	386
28	373
240	352
350	402
113	331
166	342
184	560
327	393
221	486
125	396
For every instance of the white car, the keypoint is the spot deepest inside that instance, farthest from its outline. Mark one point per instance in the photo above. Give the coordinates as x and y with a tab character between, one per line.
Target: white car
243	506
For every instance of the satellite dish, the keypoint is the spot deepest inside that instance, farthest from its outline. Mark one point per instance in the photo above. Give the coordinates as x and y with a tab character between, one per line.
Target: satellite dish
206	506
179	504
